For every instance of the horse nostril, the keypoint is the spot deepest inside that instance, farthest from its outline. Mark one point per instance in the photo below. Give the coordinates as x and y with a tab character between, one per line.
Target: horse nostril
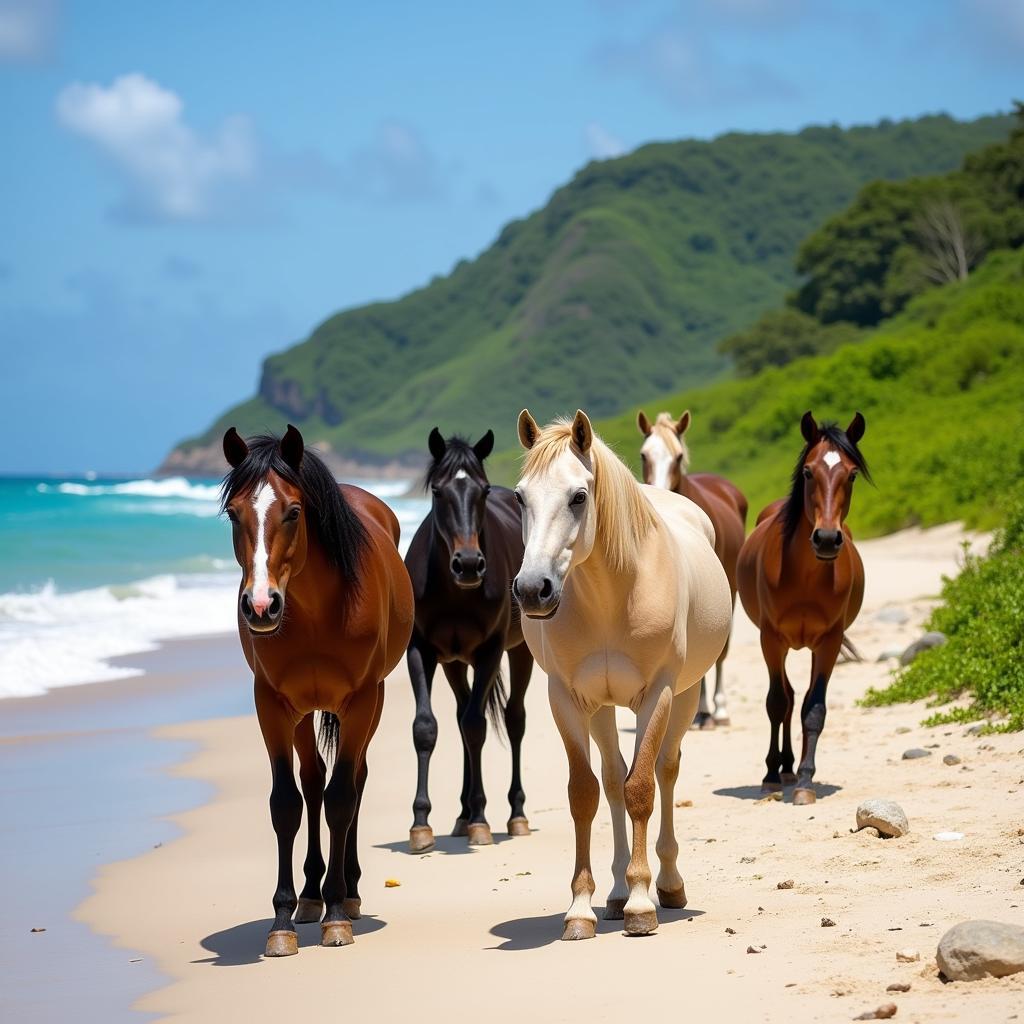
274	608
839	538
481	565
246	606
456	565
816	537
546	590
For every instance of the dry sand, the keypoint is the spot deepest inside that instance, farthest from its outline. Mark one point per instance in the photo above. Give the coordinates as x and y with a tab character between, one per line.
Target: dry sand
474	933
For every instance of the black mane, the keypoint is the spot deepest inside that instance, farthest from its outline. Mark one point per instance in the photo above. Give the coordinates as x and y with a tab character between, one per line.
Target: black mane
338	529
793	513
458	454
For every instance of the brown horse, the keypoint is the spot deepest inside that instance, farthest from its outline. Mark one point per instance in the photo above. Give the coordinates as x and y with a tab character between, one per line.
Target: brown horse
325	612
665	459
801	582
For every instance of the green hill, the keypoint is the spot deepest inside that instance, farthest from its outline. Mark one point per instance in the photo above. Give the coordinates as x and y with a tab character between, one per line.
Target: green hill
941	386
616	290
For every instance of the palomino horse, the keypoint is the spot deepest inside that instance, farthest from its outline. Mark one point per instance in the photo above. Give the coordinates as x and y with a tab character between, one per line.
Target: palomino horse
462	560
801	582
325	611
665	460
627	606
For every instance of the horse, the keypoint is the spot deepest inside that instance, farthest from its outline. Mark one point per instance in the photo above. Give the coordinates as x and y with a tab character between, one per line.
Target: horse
626	605
801	582
325	610
461	561
665	461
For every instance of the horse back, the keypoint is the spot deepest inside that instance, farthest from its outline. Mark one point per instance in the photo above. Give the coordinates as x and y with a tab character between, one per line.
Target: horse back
725	490
719	503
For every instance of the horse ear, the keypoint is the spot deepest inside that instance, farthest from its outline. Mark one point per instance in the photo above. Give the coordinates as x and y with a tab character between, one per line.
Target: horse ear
484	446
436	444
528	429
683	423
235	449
582	432
643	423
292	447
855	431
809	428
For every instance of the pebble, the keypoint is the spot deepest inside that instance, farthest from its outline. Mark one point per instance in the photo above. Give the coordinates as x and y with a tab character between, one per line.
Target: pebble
39	929
924	643
907	956
827	922
787	884
884	815
898	986
884	1012
684	803
951	759
730	931
915	752
903	730
394	883
754	949
980	949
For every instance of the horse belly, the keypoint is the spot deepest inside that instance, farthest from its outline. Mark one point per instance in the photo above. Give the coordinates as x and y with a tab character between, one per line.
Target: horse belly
805	625
608	677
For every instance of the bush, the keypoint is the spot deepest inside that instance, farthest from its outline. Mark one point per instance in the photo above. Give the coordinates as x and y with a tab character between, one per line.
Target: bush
982	615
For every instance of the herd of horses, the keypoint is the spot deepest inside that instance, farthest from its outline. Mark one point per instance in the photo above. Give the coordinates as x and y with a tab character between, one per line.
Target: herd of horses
622	592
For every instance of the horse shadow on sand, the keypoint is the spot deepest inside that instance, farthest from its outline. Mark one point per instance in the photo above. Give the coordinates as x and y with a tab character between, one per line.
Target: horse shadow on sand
244	943
447	845
754	792
536	932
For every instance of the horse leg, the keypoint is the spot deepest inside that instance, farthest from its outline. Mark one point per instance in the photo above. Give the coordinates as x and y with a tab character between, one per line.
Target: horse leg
705	718
774	651
721	713
652	719
520	664
584	793
341	798
278	724
671	891
486	665
455	672
613	775
312	776
353	872
786	774
812	714
422	662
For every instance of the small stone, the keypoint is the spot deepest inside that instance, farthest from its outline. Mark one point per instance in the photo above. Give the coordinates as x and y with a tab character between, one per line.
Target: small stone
883	1012
39	929
903	730
907	956
974	730
889	653
787	884
747	860
770	797
885	815
827	922
730	931
753	949
951	759
394	883
980	949
684	803
924	643
898	986
914	753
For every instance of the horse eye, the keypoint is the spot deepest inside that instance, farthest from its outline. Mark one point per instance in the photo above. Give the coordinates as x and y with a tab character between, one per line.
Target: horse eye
231	516
578	498
487	490
807	473
518	497
853	475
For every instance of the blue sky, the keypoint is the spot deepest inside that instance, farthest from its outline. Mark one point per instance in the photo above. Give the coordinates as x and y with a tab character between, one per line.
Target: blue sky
188	187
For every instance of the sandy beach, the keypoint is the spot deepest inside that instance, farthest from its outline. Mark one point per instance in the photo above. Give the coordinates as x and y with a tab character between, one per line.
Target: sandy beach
475	932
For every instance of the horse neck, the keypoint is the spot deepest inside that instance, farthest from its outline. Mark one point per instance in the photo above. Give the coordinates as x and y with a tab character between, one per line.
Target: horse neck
602	591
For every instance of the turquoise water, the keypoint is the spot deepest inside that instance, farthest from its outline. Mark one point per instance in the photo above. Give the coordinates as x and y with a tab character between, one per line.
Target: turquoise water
93	569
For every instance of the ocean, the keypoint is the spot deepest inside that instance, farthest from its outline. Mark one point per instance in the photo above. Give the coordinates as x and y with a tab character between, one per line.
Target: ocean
92	569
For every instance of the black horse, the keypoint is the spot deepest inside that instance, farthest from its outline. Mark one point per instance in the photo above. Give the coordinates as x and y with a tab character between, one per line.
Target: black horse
462	561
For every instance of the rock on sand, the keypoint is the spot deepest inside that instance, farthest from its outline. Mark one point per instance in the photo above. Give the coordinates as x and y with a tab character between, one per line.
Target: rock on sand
885	815
980	949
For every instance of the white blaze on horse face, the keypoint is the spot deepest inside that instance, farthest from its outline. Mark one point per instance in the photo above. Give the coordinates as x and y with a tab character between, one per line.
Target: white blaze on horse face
660	458
461	475
832	459
264	498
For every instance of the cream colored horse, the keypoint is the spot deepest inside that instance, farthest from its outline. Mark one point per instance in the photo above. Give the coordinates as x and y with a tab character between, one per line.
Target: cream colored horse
626	605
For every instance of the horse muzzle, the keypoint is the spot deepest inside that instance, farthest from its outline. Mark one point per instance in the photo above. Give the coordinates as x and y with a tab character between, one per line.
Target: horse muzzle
262	616
538	596
468	568
827	544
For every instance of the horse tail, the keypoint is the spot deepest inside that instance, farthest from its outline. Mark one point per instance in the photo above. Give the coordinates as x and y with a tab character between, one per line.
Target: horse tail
329	728
496	701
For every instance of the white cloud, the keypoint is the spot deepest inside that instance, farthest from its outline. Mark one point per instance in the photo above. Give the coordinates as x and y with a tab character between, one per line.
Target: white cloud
170	173
27	28
601	143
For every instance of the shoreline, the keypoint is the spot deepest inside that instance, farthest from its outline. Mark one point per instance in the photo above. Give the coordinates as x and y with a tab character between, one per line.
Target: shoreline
463	907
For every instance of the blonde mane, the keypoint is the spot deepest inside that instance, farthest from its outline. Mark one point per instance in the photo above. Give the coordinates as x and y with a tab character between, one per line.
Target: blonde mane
624	515
665	425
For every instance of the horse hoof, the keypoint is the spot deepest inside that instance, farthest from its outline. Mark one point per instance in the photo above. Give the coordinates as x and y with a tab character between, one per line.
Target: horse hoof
673	900
421	839
707	725
282	943
804	796
576	929
460	827
518	827
308	911
788	779
479	833
771	787
724	720
644	922
336	933
353	908
613	909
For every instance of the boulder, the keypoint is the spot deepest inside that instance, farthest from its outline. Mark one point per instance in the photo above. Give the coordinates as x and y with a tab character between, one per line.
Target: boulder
981	949
924	643
885	815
